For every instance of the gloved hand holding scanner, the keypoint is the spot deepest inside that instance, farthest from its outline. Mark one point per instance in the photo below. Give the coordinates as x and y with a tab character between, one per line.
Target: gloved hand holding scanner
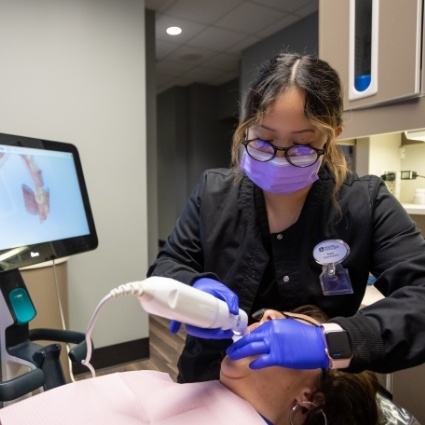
221	292
286	343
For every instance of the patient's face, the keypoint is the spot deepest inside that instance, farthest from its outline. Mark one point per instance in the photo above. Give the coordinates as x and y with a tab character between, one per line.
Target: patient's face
236	374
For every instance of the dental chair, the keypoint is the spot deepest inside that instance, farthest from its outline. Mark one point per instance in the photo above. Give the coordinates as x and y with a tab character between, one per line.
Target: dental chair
392	414
25	364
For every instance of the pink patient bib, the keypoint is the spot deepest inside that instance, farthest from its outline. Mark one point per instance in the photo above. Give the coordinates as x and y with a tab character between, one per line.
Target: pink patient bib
142	397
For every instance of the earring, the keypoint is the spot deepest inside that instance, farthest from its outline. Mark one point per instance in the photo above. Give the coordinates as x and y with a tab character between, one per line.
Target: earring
298	406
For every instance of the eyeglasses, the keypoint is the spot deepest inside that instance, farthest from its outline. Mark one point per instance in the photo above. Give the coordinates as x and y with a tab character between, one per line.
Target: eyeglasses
258	315
297	155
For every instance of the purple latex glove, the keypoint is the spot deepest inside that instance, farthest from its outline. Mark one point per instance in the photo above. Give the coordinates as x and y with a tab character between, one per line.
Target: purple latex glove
221	291
283	342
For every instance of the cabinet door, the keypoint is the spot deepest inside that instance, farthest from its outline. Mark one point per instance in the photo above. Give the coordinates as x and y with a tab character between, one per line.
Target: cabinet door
395	48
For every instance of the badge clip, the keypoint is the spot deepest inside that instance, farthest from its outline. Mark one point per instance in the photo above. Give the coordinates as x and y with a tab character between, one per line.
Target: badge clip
334	278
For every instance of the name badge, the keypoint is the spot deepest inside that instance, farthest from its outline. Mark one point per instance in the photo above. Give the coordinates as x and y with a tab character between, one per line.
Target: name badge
334	279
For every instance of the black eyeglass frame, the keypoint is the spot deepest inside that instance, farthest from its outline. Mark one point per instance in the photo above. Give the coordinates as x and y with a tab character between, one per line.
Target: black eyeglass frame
319	152
258	315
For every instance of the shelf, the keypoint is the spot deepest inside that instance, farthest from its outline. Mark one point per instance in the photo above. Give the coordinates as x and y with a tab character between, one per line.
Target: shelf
415	209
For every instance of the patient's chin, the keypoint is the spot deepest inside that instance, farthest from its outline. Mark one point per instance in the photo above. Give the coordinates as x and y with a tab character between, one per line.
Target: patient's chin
235	369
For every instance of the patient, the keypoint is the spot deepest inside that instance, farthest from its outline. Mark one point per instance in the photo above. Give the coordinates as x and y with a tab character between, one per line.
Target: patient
271	395
289	396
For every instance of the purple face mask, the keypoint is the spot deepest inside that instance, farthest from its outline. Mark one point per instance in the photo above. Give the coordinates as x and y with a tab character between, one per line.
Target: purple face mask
278	175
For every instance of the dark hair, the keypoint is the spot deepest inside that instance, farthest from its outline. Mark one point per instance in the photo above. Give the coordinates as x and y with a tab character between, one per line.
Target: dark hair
323	101
348	399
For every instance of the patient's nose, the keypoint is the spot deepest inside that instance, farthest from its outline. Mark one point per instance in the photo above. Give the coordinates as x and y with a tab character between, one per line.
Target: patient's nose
271	315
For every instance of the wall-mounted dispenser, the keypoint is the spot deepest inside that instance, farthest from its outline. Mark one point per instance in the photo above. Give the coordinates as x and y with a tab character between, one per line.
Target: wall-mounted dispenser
363	48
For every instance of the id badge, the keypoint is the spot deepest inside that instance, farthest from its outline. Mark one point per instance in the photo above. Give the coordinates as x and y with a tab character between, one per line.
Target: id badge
334	279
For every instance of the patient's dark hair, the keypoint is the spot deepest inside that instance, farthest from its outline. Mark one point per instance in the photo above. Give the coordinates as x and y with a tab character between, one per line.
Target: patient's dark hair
349	399
345	398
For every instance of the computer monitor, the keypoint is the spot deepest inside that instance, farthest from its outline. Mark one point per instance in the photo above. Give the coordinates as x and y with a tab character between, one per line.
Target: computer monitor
45	211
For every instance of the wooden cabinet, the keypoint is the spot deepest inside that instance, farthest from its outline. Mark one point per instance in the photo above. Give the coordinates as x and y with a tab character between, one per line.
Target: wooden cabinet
390	47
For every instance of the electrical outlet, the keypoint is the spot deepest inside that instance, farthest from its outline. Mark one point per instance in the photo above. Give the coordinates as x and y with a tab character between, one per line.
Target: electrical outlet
390	180
408	175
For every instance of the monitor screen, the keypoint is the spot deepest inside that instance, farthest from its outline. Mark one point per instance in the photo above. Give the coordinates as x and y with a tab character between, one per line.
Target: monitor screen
45	212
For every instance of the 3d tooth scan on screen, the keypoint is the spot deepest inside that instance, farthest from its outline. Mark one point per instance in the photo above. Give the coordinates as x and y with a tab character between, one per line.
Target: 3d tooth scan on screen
44	208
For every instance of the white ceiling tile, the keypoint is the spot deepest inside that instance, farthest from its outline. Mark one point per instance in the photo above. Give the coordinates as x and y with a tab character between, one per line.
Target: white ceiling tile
204	75
178	81
181	80
283	5
277	26
224	78
224	62
166	67
215	32
187	53
163	48
173	83
307	9
206	12
162	79
249	18
216	39
249	40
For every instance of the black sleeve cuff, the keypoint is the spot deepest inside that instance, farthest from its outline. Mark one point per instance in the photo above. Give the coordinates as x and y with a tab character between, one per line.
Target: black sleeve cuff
366	343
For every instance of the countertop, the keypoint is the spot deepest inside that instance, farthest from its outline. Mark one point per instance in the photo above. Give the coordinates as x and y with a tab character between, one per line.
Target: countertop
415	209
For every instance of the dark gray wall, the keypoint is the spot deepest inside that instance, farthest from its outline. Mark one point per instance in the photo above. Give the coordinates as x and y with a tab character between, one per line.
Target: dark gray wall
228	100
302	37
171	160
195	126
208	143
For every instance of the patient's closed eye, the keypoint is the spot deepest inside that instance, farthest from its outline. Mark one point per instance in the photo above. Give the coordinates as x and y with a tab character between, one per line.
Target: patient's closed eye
269	314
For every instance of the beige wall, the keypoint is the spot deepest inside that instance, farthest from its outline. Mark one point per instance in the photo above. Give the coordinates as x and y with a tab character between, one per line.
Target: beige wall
385	153
414	160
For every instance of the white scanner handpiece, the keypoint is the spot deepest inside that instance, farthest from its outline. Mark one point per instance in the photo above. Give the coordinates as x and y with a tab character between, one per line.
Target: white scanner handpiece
168	298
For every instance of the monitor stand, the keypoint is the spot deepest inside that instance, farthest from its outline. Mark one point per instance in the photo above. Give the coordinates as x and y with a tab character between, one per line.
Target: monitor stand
26	365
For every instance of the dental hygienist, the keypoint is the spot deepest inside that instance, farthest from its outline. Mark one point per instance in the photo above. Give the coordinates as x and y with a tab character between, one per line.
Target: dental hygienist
290	225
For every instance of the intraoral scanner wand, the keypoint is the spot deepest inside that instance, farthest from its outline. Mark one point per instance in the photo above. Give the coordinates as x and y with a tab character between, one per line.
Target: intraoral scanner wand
173	300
